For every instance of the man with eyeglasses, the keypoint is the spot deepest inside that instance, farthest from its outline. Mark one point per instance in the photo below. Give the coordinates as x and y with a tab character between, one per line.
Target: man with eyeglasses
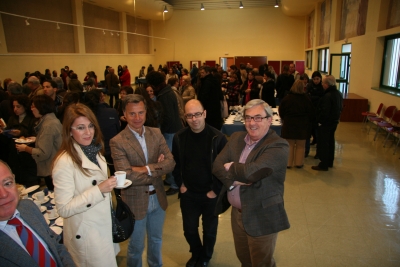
194	149
252	168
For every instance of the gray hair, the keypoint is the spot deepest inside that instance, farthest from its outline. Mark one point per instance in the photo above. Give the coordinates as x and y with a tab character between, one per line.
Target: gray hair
133	98
34	80
14	88
330	80
256	102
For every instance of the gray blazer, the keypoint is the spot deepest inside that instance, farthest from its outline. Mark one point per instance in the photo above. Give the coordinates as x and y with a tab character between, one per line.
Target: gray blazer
263	209
126	152
48	142
11	254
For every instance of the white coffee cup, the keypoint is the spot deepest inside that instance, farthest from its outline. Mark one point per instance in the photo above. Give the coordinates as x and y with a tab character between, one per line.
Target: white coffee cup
40	196
121	177
38	203
51	213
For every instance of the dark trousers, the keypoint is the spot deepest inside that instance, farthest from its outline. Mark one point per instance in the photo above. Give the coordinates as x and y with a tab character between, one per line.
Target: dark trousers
111	99
194	205
326	144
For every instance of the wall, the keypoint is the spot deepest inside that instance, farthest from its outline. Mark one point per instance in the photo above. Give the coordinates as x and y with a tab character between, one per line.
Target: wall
210	34
366	55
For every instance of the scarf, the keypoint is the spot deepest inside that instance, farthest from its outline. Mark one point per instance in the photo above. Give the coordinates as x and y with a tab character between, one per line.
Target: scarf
91	151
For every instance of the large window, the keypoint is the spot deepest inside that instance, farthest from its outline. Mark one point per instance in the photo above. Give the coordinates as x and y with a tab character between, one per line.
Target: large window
309	60
390	76
323	60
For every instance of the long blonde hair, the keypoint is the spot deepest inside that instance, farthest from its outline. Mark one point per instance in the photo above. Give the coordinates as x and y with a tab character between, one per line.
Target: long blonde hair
73	112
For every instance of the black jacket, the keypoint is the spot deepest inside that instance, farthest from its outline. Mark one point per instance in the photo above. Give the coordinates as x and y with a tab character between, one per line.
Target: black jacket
255	90
109	124
283	84
268	93
330	106
216	141
170	119
210	95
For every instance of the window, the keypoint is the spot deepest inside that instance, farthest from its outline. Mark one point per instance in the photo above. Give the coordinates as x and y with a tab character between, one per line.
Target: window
309	60
390	76
323	60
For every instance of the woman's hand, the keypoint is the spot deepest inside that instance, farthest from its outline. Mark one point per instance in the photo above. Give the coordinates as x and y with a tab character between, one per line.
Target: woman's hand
15	132
20	148
108	185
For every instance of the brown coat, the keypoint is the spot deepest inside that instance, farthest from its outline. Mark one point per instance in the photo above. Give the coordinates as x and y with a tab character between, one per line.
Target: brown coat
127	152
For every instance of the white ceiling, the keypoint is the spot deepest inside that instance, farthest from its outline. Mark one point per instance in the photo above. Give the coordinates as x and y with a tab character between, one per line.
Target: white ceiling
153	9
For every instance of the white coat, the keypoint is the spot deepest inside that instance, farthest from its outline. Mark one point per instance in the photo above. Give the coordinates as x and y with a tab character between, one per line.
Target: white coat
86	211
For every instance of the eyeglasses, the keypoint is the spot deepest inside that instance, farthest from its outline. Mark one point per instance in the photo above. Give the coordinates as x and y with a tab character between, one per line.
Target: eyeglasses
196	115
255	118
82	128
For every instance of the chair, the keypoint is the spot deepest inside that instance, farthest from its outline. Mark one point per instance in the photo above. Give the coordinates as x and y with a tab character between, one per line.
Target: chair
367	114
392	128
385	121
387	116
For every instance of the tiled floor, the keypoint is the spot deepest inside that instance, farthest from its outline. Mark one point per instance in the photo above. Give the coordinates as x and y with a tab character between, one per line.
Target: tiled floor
345	217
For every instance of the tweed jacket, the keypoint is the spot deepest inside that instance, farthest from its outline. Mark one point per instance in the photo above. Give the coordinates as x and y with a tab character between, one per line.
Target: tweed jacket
86	211
263	211
48	141
126	152
12	255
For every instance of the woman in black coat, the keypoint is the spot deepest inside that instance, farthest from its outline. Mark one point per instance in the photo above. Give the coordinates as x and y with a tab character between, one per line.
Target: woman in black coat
268	89
284	82
250	88
297	113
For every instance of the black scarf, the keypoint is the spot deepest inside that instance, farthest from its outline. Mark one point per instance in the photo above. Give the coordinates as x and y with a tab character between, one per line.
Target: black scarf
91	151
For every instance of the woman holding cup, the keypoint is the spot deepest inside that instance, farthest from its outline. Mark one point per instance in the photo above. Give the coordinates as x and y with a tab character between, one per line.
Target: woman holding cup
83	190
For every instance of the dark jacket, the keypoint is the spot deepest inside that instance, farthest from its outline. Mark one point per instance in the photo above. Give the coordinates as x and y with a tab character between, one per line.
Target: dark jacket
330	106
26	126
283	84
210	95
255	90
170	119
216	142
297	113
268	93
109	125
315	91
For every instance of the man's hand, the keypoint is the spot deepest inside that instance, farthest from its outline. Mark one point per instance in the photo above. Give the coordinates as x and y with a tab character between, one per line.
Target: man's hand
183	188
160	158
211	194
142	169
227	165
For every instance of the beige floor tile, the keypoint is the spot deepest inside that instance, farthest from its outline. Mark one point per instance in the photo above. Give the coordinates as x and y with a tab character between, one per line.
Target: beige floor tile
336	261
328	214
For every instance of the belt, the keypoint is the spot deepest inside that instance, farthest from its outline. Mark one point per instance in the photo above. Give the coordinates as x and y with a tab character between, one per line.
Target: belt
151	192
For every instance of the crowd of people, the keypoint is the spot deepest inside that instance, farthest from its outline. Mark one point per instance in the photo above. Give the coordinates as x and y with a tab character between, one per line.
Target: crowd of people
171	127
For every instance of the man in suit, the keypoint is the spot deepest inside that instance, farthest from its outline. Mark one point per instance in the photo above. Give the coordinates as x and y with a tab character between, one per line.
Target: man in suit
13	251
195	149
143	153
252	167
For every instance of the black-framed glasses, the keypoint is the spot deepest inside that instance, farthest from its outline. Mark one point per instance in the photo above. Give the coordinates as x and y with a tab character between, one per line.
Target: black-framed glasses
196	115
255	118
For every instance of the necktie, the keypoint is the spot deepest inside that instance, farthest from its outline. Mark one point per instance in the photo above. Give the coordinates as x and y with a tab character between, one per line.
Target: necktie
34	247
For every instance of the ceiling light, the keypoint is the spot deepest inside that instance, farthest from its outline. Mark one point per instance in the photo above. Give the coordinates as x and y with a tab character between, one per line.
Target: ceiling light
276	3
201	7
58	26
241	5
165	9
27	23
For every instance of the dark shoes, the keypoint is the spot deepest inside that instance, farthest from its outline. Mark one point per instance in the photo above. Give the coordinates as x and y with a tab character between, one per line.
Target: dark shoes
166	183
191	263
202	264
299	167
171	191
318	168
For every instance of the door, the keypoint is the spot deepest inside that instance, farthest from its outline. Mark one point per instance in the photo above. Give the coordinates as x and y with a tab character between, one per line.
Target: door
339	67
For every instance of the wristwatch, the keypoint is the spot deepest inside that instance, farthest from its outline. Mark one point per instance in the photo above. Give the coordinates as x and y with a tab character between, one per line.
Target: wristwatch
231	187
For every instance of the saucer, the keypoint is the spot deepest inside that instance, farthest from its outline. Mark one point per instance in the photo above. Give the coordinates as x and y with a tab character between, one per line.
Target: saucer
52	202
56	229
127	183
50	194
45	200
59	222
51	218
47	220
30	189
43	209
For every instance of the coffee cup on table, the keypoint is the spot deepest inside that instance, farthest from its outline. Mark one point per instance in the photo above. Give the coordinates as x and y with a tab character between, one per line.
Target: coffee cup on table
38	203
51	212
40	196
121	177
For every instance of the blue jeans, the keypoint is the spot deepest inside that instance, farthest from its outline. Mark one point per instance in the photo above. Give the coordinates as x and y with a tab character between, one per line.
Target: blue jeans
153	225
169	177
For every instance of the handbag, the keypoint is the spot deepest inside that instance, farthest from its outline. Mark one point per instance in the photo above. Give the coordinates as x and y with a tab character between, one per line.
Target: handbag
123	221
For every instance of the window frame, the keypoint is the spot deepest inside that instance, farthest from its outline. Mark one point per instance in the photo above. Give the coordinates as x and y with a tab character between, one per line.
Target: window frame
309	57
326	53
381	85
